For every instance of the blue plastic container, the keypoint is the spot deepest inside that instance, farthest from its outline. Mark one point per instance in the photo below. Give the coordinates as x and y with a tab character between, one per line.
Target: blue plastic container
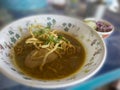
23	4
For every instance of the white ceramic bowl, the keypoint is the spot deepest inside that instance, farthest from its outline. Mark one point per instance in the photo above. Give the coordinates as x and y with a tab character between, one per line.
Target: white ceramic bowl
94	47
102	34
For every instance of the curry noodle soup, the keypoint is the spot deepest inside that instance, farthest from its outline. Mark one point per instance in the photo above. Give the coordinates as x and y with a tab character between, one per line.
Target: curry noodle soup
49	54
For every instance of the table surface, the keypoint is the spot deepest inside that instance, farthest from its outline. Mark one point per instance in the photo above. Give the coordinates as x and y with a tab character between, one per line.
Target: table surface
110	70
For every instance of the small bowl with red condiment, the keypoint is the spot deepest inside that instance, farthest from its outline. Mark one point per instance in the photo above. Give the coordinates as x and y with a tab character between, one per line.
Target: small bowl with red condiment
103	27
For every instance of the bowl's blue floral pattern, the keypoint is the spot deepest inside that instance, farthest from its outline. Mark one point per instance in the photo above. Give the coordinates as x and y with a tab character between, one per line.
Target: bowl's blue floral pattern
94	43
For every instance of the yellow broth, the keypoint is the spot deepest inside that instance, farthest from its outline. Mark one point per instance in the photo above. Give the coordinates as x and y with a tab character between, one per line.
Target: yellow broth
57	69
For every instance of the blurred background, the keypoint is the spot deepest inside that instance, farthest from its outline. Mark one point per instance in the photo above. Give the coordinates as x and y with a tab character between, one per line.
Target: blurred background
15	9
11	10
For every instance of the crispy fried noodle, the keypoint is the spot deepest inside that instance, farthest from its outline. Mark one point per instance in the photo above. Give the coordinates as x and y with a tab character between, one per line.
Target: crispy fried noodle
44	37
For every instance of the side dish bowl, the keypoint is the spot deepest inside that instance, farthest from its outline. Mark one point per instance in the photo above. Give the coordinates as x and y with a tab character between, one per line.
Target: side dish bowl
94	46
103	27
